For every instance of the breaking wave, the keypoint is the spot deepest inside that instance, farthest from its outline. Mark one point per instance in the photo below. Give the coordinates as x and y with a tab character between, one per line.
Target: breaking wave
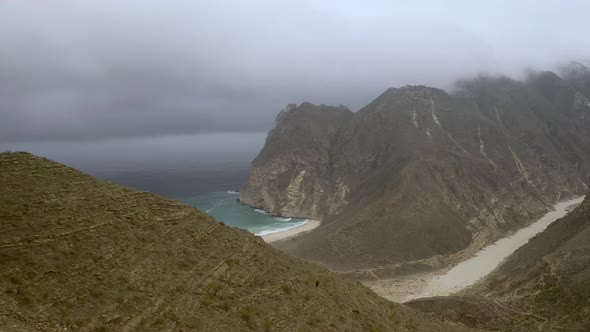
278	230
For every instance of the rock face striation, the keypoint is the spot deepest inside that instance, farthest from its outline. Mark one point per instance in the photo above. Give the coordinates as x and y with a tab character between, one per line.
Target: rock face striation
79	254
292	175
420	172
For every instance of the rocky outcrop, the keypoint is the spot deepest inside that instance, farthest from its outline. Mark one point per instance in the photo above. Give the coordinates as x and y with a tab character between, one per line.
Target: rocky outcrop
420	173
80	254
298	183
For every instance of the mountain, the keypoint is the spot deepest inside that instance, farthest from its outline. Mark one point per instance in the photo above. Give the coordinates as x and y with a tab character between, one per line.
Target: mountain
80	254
425	176
543	286
302	138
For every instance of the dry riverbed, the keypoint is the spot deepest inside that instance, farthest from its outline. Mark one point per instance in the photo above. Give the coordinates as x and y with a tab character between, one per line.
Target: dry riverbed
468	272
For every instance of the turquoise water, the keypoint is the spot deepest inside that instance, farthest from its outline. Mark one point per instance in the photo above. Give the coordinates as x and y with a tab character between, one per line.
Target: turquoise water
224	206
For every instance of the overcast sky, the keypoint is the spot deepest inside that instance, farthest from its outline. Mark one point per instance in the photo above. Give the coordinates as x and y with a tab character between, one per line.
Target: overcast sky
104	70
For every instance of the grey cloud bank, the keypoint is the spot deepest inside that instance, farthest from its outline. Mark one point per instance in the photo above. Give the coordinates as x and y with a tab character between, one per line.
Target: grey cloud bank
177	166
72	70
120	87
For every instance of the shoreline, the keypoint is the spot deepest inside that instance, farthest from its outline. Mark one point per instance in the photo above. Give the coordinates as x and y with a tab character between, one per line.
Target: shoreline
306	227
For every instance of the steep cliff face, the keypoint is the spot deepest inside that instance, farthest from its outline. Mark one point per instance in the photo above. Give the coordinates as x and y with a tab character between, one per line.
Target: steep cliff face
292	174
79	254
419	172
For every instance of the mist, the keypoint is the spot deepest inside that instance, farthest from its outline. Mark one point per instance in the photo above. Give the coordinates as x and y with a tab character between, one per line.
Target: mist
177	166
81	79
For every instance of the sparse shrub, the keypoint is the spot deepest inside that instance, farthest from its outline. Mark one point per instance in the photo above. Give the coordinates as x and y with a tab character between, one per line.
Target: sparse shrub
27	300
184	265
225	304
286	289
192	323
248	317
96	293
15	280
313	321
214	287
173	317
25	296
81	323
123	279
101	328
267	325
158	321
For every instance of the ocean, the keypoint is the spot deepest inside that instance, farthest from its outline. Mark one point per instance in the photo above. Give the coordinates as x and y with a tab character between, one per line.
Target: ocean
224	206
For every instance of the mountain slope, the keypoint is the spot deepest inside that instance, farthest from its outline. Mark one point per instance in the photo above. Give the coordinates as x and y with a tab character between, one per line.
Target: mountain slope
81	254
543	286
419	172
303	136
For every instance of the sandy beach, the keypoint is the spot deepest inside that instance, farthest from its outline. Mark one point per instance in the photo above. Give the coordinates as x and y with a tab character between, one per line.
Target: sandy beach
308	226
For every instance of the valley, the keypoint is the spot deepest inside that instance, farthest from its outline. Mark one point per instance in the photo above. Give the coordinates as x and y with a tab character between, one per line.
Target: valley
468	272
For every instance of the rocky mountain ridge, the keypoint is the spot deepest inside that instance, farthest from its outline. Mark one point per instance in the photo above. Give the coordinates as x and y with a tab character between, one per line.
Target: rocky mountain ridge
420	173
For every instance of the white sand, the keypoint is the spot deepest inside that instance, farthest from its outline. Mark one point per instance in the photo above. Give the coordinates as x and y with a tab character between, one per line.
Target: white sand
308	226
486	260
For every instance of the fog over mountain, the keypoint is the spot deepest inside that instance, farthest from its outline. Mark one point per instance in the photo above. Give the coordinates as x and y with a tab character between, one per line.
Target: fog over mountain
141	76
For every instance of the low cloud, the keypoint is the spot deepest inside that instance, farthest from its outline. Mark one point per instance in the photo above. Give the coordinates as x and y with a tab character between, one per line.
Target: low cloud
94	70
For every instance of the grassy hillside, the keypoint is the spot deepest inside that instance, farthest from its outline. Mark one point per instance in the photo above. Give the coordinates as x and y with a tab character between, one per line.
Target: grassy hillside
81	254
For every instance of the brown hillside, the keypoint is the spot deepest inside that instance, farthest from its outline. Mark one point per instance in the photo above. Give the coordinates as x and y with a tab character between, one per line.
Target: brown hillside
81	254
